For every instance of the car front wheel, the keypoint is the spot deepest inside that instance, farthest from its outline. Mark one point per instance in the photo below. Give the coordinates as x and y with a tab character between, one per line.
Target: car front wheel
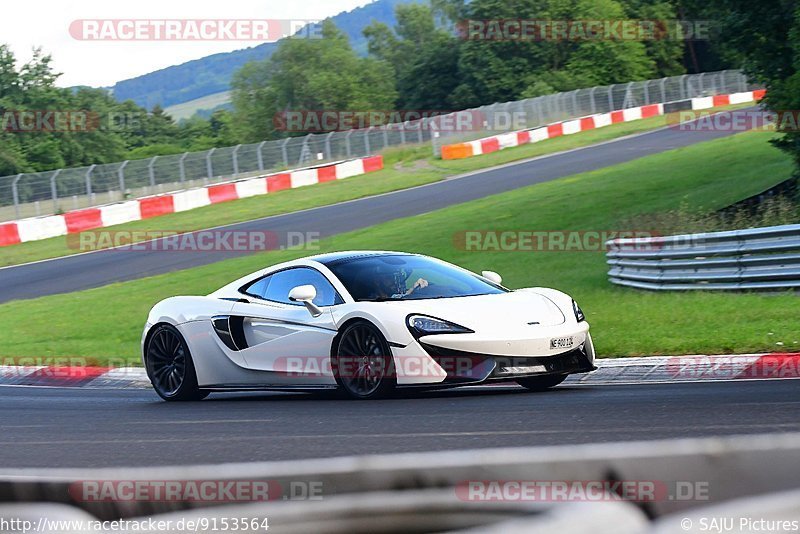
170	367
363	363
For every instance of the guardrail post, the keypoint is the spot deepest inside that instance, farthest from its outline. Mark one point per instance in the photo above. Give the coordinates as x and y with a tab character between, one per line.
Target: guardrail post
209	164
121	174
151	171
15	194
89	181
260	156
182	166
235	160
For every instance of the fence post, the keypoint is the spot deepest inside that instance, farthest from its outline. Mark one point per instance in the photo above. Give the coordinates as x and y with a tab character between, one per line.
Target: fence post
121	174
328	151
53	190
209	165
366	140
403	133
591	100
89	181
347	143
260	156
151	171
663	86
15	194
684	87
611	98
385	136
182	167
285	153
647	92
235	160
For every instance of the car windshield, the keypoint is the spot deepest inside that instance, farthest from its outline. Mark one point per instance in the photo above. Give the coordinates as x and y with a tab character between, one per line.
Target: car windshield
406	277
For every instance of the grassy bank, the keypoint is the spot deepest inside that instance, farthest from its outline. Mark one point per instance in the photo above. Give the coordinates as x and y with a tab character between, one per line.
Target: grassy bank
699	178
405	167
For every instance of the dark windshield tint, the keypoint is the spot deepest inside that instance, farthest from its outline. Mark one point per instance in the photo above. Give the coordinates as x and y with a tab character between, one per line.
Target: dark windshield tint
405	277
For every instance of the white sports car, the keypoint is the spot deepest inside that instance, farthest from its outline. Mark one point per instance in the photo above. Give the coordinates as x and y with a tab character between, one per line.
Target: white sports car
366	323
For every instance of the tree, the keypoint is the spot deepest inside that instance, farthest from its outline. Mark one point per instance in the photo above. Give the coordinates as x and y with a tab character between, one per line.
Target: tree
309	75
424	58
767	35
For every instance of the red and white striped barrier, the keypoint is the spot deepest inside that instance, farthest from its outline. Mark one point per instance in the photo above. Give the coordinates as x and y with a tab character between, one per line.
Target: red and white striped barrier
487	145
37	228
653	369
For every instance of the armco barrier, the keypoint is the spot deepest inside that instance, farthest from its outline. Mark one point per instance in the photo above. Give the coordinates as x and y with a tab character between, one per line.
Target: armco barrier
755	258
144	208
591	122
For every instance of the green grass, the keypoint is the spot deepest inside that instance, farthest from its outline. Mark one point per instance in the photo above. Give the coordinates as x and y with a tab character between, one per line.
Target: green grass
404	167
701	177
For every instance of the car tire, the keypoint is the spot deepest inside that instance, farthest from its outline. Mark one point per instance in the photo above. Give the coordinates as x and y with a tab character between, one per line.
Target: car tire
170	367
362	362
540	383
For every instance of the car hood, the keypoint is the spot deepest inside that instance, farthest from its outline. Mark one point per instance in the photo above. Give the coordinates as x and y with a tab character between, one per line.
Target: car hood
502	310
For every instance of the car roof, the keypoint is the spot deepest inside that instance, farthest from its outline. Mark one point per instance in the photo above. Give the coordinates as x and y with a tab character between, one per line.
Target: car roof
333	258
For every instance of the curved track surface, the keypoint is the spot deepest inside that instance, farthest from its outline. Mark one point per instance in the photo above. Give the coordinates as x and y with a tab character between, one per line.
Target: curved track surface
45	427
73	273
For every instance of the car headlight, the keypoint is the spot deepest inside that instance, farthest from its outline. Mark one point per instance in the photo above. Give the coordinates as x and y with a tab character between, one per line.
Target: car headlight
422	325
579	316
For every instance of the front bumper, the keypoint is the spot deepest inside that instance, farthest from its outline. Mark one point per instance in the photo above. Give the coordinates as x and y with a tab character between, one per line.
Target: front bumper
471	368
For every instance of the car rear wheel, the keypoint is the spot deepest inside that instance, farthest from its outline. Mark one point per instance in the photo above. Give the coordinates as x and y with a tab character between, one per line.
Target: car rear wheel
170	367
362	362
541	383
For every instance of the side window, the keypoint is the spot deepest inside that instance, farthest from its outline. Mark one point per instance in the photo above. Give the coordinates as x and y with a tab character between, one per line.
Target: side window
258	288
276	287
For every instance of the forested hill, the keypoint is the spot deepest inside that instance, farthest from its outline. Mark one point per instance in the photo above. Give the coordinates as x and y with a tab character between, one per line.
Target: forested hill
212	74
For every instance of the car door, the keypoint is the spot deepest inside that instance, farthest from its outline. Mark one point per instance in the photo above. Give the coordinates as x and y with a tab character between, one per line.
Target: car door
283	336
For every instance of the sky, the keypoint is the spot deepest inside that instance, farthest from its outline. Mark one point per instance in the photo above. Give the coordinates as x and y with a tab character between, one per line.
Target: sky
46	24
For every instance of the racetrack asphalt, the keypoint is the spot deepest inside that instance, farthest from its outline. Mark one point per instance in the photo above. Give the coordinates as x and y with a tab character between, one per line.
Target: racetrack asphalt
84	271
62	427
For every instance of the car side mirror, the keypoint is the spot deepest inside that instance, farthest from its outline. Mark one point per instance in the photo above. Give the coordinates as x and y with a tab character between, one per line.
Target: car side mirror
492	277
306	294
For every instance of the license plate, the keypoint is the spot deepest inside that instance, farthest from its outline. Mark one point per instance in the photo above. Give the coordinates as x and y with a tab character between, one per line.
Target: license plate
561	342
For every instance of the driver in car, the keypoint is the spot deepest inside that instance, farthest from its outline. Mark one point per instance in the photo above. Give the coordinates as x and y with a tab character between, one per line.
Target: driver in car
391	284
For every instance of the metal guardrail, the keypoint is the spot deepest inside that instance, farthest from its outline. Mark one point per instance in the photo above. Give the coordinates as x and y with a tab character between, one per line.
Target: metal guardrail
429	492
755	258
48	192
